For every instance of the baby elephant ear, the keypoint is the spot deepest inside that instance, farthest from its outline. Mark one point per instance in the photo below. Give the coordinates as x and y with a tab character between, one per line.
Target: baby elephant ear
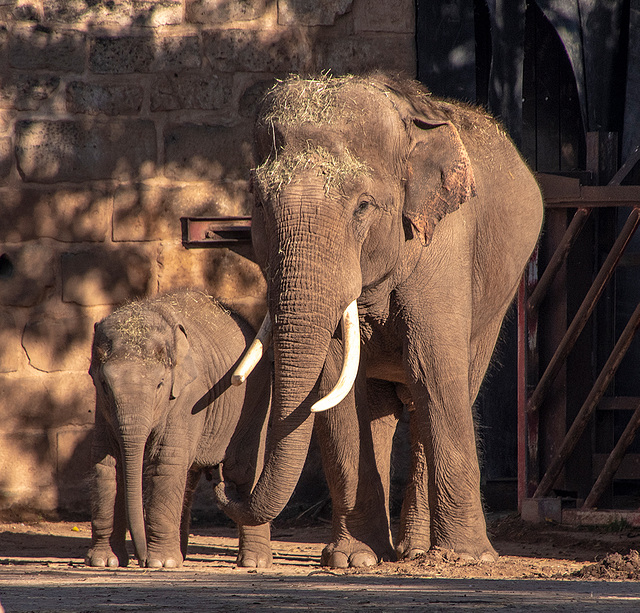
183	367
439	176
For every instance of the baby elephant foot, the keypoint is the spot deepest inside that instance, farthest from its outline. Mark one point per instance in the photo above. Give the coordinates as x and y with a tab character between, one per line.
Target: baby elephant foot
105	557
254	550
350	553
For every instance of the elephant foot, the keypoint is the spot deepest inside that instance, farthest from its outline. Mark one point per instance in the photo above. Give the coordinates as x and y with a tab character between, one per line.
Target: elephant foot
254	550
251	558
164	559
411	548
350	553
105	557
473	549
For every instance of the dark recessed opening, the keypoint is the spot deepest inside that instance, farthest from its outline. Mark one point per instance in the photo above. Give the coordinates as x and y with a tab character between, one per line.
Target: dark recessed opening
6	267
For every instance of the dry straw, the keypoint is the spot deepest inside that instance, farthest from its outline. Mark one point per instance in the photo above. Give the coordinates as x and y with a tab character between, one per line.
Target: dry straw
278	172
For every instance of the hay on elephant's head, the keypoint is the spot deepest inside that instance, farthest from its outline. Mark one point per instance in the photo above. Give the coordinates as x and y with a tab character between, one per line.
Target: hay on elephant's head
278	172
298	100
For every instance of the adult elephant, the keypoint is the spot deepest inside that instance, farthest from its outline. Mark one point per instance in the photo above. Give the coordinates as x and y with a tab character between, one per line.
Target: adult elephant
423	211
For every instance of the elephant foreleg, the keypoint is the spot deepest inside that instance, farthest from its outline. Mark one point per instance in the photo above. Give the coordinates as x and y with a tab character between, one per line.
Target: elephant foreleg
360	529
254	548
439	354
108	517
167	483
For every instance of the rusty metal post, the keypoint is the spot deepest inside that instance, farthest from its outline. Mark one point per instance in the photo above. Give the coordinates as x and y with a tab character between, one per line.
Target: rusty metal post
527	423
589	405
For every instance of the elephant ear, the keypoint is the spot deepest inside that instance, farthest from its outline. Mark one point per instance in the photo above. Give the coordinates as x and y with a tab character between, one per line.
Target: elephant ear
184	367
439	176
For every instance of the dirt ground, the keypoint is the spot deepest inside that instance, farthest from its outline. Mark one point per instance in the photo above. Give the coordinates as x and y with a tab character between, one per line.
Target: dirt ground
542	567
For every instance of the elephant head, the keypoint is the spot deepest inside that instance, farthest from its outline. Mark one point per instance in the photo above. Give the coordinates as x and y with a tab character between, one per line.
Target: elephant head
140	364
352	172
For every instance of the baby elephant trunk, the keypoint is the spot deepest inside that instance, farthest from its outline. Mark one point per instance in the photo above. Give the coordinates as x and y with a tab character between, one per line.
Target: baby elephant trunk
133	445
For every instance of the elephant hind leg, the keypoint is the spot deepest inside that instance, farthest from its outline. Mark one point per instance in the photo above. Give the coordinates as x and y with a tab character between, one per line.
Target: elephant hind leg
414	535
193	477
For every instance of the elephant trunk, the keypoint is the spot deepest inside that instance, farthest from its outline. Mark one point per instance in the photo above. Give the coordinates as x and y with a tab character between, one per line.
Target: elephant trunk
290	434
133	444
308	292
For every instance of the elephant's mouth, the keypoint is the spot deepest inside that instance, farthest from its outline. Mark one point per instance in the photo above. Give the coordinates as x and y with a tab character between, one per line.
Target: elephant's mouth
350	362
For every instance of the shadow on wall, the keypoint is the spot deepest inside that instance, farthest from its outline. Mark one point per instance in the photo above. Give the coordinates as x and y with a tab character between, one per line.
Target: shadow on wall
113	135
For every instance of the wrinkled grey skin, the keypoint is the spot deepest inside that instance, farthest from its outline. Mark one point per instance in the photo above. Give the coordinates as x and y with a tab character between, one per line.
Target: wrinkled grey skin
423	210
165	408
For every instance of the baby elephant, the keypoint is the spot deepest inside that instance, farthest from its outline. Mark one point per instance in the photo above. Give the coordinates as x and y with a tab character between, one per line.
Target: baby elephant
166	409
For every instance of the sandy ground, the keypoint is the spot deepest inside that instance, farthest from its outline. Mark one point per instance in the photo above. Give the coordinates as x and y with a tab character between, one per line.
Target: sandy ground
541	568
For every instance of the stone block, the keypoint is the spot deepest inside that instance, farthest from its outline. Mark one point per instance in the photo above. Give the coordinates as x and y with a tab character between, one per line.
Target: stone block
229	275
211	12
110	99
311	12
195	152
21	10
155	13
74	469
6	159
360	54
103	275
28	273
277	51
6	119
116	12
64	214
58	336
540	510
121	54
12	355
41	48
25	92
53	151
143	212
122	13
46	401
177	53
177	90
143	54
396	16
27	466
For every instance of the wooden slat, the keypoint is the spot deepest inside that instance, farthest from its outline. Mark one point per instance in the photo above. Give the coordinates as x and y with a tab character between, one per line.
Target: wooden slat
628	469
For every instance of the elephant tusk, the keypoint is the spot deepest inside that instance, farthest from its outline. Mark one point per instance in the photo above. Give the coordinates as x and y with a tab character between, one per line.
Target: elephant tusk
350	364
255	352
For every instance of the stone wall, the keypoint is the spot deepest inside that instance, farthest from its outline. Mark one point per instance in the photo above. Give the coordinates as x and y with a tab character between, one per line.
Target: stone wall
116	119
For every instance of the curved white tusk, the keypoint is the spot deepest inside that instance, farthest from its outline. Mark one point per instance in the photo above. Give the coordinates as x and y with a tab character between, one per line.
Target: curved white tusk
255	352
351	360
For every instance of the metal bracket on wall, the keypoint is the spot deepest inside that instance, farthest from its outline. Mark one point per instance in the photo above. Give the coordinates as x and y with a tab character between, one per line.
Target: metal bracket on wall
215	231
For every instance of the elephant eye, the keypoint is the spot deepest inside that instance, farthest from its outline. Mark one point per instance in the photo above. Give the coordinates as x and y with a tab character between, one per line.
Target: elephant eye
365	202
